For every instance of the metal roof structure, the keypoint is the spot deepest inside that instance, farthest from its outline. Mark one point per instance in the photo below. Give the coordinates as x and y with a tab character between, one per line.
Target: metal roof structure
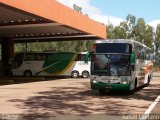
44	20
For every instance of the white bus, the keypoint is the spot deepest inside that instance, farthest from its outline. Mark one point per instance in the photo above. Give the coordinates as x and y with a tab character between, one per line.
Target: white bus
51	64
120	64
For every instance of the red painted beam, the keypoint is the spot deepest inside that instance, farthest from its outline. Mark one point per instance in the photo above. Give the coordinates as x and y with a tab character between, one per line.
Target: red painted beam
54	11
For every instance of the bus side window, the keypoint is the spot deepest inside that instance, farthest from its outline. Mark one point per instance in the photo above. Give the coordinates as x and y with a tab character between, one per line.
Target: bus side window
40	57
43	57
78	57
142	56
82	57
29	57
147	55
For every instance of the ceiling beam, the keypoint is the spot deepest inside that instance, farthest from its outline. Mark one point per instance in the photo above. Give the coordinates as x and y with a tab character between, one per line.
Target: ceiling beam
29	25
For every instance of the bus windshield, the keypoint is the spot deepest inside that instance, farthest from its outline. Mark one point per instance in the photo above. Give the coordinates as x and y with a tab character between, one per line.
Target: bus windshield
111	59
17	61
110	64
113	48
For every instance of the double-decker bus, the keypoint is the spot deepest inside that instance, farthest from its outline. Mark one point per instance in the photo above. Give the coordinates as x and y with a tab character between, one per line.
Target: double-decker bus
51	64
120	64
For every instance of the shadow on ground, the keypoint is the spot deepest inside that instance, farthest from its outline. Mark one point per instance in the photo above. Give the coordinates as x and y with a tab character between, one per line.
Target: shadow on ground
84	102
21	80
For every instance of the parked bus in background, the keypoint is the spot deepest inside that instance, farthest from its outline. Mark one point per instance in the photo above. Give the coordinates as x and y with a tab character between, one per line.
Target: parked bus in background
51	64
120	64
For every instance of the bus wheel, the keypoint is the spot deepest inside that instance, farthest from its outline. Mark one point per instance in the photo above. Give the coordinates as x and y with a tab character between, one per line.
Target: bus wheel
75	74
102	91
85	74
27	73
135	87
148	82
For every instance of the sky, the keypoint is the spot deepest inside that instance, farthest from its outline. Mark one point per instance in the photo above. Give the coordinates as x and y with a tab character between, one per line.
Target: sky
116	11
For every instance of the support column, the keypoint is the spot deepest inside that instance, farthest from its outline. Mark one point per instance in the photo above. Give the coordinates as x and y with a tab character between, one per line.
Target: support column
7	53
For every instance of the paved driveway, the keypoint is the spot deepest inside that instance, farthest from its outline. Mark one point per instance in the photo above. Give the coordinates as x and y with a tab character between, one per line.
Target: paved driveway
65	97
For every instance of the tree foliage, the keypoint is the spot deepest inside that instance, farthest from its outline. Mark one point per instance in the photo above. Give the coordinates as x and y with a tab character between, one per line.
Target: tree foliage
133	28
68	46
157	38
77	8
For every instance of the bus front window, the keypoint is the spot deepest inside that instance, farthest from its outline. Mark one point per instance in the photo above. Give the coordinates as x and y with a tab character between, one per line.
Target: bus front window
110	64
100	64
120	65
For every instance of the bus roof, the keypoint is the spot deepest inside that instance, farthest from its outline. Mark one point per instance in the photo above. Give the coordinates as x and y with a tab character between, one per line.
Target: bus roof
130	41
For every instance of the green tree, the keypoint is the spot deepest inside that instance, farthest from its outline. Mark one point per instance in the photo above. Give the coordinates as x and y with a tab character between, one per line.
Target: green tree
139	30
116	32
157	38
109	30
120	32
123	28
157	46
149	36
77	8
131	21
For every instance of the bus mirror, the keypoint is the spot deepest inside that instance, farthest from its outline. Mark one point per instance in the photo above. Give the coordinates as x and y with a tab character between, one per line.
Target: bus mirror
87	57
133	59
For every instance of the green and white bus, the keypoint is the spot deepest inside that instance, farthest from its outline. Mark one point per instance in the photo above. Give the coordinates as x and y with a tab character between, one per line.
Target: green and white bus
51	64
120	64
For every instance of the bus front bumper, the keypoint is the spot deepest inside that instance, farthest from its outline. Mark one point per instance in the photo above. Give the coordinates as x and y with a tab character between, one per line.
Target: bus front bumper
106	86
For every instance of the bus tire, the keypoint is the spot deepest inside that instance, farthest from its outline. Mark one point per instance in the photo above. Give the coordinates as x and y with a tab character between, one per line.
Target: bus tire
85	74
27	73
148	81
75	74
135	86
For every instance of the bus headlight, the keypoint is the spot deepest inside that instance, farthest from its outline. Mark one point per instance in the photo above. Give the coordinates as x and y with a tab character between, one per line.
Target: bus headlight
124	81
93	80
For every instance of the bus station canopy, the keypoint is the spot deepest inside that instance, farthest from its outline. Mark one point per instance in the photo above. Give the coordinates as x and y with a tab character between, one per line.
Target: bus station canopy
44	20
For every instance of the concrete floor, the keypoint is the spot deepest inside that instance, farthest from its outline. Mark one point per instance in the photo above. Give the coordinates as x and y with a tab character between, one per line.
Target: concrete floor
65	98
